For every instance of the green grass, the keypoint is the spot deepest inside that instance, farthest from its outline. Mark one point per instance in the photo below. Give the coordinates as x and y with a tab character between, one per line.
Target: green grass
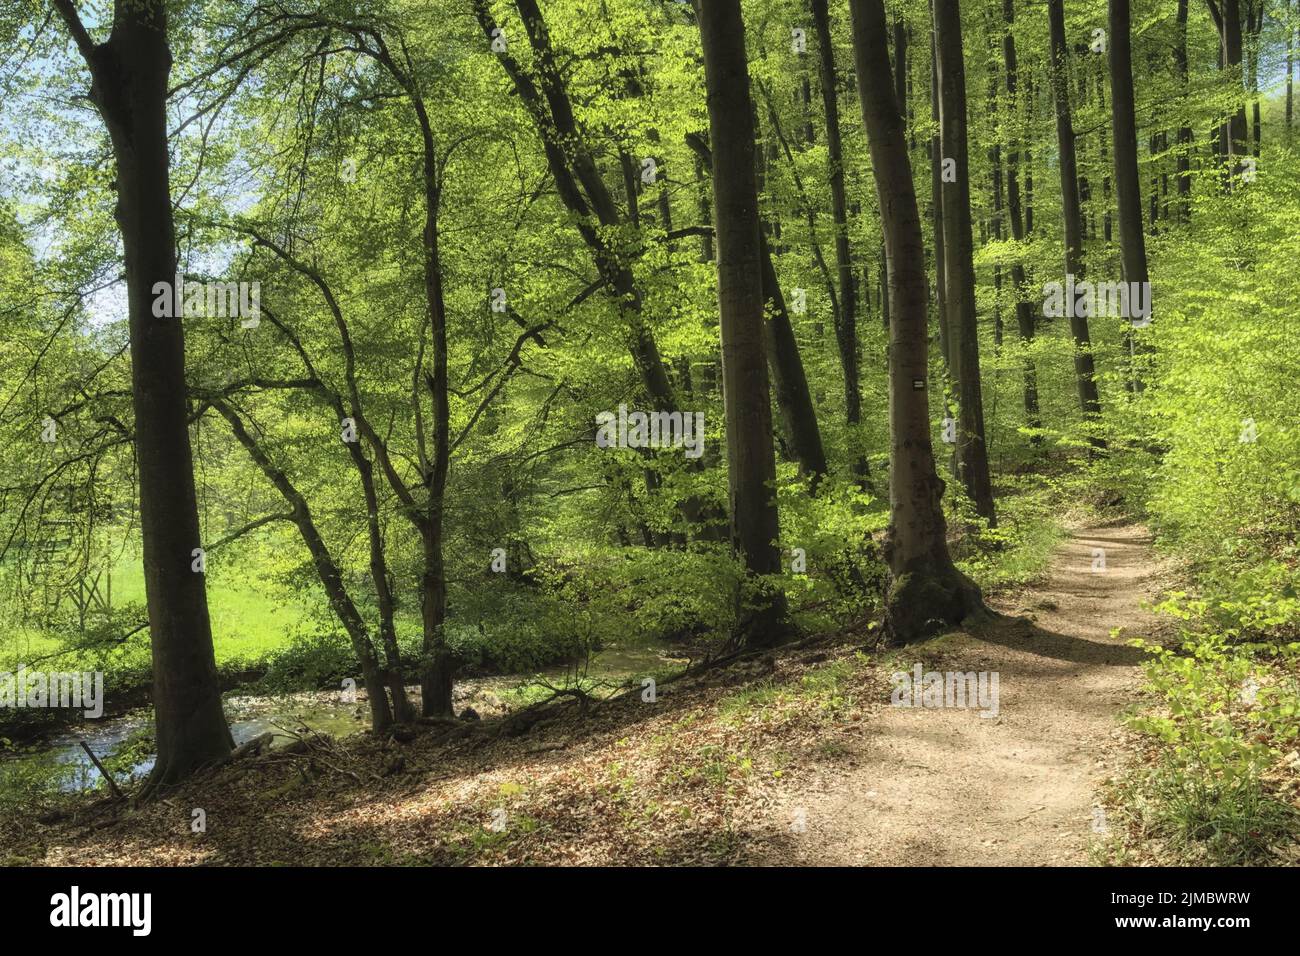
251	619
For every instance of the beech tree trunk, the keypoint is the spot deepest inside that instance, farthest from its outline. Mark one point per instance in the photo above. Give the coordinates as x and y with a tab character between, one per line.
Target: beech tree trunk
1024	309
1233	48
1132	242
800	428
936	204
1184	132
846	331
1290	65
959	264
927	593
129	74
751	461
1084	373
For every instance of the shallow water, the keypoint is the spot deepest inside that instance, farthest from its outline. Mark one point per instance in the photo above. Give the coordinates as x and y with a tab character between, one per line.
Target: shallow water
322	712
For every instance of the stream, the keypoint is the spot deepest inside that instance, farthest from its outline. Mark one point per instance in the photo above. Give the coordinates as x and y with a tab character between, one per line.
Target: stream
61	757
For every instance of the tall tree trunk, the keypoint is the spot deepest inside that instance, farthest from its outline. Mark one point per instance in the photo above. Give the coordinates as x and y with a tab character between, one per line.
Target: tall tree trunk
1105	165
1132	243
846	331
1024	310
959	264
438	666
1085	376
1031	115
1184	131
751	462
927	593
1255	22
995	166
1233	49
789	381
936	205
129	76
1290	65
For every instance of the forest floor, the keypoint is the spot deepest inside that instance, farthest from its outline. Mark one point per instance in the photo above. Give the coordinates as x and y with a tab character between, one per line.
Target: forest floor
949	786
794	757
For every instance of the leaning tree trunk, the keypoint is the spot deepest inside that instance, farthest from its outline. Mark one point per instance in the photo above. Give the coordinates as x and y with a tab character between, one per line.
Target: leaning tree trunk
751	464
959	263
1132	242
583	192
129	86
327	569
927	593
1084	373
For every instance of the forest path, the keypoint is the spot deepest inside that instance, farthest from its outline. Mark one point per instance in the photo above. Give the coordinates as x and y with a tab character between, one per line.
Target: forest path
946	786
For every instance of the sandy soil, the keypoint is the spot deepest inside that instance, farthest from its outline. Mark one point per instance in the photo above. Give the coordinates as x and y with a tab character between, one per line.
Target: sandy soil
929	786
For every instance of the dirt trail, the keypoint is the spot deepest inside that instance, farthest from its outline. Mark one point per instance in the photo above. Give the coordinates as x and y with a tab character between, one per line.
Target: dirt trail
950	787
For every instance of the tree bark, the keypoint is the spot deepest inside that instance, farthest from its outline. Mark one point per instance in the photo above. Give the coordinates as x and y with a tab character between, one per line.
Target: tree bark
1024	310
959	264
751	464
1184	132
789	381
1290	65
927	593
129	74
846	329
1132	242
1084	373
936	205
1236	144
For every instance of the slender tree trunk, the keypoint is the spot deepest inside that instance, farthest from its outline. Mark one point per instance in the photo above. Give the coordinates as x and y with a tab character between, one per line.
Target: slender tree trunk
1233	49
800	428
1024	310
846	331
1256	25
1031	113
1132	242
1084	373
936	206
1184	132
1290	65
959	265
927	593
585	194
129	76
1105	165
995	166
751	463
402	709
327	569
